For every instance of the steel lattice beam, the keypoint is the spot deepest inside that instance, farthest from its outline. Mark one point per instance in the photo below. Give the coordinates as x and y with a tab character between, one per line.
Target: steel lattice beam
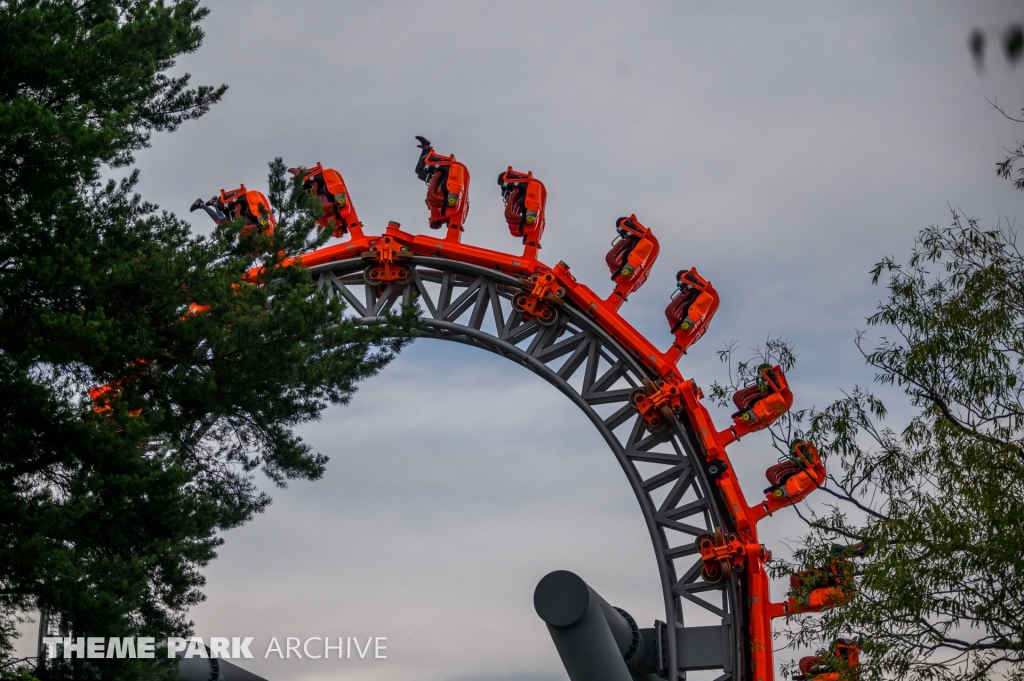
458	300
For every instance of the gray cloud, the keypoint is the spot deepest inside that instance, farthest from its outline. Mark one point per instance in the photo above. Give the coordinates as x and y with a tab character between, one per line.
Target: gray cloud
782	149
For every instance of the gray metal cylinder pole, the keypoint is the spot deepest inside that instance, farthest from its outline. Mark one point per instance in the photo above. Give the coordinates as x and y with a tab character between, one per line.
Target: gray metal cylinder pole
590	636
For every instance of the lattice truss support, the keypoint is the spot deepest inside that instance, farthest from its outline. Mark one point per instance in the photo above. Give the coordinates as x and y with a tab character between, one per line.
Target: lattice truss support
472	305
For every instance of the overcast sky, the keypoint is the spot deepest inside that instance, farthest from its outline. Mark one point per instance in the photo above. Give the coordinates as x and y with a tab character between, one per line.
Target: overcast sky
782	148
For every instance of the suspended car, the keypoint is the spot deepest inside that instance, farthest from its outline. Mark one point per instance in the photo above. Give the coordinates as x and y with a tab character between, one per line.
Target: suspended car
840	663
631	257
447	187
239	203
692	306
525	198
328	186
820	588
798	475
765	400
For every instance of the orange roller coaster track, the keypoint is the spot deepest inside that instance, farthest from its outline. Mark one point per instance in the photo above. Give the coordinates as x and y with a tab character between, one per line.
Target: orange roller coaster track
704	531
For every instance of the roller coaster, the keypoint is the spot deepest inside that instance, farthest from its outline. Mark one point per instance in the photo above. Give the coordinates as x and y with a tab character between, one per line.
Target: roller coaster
711	564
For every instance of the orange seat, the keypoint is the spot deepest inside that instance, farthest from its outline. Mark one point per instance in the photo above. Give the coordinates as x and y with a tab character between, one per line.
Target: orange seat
251	205
760	403
781	472
329	187
447	187
525	200
634	248
616	257
630	258
677	308
744	398
240	203
766	399
690	310
840	662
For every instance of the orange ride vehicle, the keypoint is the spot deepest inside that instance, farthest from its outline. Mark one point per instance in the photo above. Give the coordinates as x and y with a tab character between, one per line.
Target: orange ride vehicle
765	400
838	664
525	198
630	259
794	478
690	311
447	187
328	186
821	588
239	203
543	294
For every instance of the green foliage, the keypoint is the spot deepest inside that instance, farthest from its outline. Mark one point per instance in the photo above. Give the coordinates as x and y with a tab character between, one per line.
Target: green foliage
107	517
940	502
1010	167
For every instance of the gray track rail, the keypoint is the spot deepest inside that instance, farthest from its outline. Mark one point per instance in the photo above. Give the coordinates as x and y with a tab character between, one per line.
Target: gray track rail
472	305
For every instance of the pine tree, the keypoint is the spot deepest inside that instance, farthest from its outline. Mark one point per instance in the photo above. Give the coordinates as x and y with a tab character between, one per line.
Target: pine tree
110	508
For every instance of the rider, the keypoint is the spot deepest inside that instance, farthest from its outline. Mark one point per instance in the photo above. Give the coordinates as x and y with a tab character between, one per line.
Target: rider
633	249
839	663
631	257
525	198
239	203
329	187
692	304
795	477
764	400
447	186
